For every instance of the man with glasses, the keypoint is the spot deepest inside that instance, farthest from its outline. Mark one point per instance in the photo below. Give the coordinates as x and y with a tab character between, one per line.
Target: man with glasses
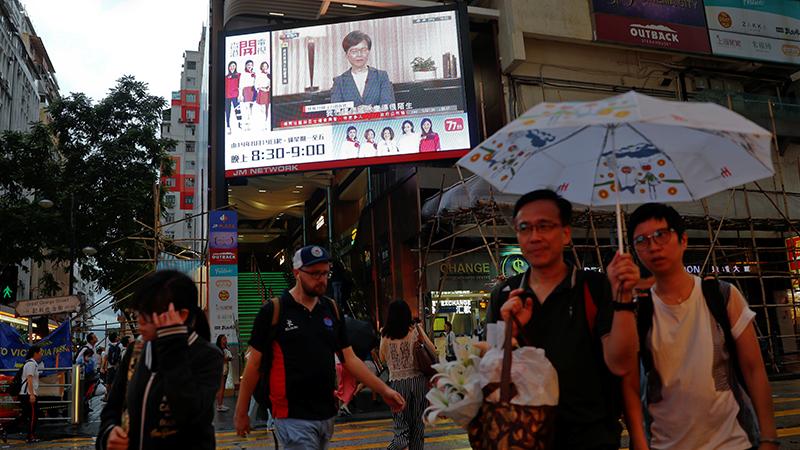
302	343
587	334
361	84
698	349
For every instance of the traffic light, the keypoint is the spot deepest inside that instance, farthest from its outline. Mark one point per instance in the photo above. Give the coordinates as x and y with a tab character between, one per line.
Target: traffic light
8	284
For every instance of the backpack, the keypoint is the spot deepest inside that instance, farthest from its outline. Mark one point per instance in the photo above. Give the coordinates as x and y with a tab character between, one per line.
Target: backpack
75	361
716	294
15	386
261	392
114	355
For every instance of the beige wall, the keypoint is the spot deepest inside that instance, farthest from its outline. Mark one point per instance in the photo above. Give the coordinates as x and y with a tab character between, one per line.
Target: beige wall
557	19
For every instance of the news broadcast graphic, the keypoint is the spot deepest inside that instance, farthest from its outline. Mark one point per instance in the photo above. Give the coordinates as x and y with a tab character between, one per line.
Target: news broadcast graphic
378	90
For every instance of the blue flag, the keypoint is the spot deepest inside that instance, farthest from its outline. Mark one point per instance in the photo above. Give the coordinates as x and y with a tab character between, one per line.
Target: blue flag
56	348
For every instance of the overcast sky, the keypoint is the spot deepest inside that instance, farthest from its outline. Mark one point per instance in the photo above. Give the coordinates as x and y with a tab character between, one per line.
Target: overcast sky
94	42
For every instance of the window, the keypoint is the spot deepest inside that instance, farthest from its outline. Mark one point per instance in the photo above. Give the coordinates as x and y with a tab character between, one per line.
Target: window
169	218
191	164
188	182
190	199
169	182
191	65
188	219
190	146
169	201
190	117
191	130
191	98
170	234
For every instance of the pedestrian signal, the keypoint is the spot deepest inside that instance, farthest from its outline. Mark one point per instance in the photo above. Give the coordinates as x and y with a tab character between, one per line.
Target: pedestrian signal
8	284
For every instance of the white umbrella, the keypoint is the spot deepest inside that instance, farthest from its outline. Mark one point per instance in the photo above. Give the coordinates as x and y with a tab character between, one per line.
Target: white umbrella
628	149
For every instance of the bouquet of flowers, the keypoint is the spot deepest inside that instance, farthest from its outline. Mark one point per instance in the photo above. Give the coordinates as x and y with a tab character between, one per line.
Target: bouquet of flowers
456	391
462	386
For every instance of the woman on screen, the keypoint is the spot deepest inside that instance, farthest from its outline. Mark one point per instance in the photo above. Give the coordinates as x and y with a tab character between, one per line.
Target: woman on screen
429	141
361	84
387	144
248	85
370	146
408	142
350	148
263	85
232	96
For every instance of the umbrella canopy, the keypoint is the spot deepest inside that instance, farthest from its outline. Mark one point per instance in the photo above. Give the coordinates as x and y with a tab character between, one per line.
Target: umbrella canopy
629	149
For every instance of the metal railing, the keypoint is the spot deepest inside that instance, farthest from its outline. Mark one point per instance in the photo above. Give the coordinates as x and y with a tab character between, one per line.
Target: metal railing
70	392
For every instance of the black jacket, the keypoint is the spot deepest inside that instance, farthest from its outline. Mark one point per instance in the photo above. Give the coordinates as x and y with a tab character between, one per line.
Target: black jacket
170	398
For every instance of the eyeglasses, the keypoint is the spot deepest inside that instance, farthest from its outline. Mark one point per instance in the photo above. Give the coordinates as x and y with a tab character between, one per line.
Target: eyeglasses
318	275
660	237
539	227
358	51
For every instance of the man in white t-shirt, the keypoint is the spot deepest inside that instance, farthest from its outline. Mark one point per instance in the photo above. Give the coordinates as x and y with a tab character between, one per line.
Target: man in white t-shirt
693	394
29	391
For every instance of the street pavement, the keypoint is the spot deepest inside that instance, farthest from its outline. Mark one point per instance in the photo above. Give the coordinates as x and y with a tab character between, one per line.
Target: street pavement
372	429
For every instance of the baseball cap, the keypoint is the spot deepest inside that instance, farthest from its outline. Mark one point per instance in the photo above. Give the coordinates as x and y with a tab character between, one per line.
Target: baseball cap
309	255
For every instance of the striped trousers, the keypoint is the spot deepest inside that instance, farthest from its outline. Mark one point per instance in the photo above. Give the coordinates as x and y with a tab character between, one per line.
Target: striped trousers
409	430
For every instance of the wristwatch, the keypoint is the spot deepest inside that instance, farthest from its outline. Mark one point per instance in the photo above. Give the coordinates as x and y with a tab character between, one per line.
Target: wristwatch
627	306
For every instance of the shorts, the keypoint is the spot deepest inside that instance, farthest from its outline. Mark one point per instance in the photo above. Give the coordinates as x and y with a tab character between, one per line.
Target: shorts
300	434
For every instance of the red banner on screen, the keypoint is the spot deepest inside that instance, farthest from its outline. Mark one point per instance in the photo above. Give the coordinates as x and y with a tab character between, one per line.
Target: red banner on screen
651	33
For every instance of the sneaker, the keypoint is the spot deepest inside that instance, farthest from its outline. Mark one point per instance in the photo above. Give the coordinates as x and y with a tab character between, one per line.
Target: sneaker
344	411
222	408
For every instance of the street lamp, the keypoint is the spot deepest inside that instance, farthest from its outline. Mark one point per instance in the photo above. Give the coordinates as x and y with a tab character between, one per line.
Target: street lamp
88	250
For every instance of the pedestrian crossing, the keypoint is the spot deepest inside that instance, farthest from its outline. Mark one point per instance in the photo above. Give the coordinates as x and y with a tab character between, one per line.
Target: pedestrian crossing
376	434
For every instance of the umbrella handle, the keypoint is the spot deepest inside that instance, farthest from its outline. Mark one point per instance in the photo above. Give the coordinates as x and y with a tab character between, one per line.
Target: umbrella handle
620	242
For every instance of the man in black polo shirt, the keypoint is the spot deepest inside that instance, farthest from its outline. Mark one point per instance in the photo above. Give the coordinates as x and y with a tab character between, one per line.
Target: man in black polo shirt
570	314
302	376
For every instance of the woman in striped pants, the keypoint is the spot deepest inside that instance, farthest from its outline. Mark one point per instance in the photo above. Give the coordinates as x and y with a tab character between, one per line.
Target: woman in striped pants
397	349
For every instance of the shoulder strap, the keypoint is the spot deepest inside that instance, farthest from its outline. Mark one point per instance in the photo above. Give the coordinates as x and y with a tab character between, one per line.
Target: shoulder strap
590	307
644	322
334	306
717	294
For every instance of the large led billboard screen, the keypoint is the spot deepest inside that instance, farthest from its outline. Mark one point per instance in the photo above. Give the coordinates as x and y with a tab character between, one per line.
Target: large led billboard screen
378	90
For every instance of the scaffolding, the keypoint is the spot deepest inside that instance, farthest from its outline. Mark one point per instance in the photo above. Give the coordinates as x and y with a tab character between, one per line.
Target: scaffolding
747	236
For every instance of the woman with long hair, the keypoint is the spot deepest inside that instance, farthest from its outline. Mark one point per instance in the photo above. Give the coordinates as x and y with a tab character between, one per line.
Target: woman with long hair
249	94
408	142
227	357
263	87
398	339
232	96
164	396
429	140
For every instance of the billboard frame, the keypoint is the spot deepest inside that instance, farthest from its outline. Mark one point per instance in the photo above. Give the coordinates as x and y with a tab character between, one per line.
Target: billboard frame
464	45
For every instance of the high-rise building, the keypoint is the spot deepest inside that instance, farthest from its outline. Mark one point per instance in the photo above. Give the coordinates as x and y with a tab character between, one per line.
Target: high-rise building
183	222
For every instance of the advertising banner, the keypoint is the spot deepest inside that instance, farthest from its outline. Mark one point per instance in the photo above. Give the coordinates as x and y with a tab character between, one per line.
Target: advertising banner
223	271
56	348
345	94
766	30
678	25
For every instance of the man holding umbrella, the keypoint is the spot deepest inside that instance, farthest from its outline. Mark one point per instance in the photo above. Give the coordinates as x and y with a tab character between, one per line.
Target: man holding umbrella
587	334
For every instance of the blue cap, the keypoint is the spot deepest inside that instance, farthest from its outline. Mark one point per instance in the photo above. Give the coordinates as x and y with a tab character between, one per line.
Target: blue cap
310	255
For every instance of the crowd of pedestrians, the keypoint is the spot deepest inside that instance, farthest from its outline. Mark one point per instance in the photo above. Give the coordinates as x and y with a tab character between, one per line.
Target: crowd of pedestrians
623	348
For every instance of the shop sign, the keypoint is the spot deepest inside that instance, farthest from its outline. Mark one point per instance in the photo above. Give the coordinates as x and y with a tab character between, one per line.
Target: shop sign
793	256
678	25
223	286
767	30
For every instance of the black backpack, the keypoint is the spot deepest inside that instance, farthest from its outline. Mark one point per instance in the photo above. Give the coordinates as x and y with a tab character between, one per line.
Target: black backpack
261	392
114	354
15	386
716	294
